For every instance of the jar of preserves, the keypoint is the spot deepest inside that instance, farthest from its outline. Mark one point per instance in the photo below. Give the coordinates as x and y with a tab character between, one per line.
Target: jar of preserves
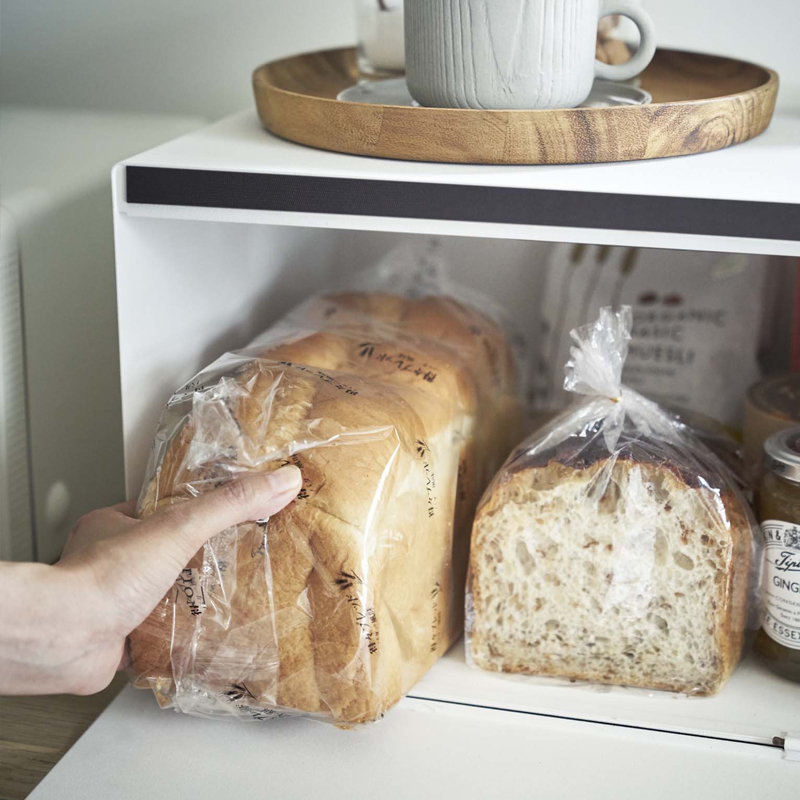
778	641
772	405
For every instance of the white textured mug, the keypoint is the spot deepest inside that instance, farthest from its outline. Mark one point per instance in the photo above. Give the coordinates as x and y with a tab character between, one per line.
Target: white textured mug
507	54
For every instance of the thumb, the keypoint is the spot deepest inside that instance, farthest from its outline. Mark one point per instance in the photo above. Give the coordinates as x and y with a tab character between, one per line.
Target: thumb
188	525
158	548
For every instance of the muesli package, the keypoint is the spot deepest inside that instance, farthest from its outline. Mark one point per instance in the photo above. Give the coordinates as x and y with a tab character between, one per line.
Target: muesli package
397	403
614	547
697	322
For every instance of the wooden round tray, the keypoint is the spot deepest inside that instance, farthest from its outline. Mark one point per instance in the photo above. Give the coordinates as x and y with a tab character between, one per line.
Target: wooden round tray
700	103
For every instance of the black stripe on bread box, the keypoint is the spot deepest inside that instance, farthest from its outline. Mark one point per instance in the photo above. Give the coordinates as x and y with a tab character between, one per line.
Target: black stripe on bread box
456	203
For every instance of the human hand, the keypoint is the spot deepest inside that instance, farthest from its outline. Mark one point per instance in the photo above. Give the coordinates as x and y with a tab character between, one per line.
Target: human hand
64	626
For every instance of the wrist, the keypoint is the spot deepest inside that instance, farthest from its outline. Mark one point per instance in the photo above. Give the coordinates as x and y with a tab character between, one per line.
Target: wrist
28	623
45	630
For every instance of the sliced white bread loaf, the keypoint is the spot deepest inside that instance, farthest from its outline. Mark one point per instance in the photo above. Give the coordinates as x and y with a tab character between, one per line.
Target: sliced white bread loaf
338	604
616	569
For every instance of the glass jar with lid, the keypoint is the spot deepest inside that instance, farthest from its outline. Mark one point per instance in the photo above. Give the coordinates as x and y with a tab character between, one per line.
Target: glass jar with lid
778	641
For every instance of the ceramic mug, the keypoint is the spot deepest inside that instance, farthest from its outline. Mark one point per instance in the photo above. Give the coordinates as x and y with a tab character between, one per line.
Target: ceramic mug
507	54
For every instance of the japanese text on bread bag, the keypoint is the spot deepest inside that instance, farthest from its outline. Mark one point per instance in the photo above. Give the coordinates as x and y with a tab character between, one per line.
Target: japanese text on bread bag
613	547
398	409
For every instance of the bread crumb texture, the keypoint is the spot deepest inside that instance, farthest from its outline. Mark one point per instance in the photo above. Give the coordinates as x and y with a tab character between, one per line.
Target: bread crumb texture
617	571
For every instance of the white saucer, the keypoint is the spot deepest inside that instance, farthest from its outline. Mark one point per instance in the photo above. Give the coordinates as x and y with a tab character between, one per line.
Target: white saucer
394	92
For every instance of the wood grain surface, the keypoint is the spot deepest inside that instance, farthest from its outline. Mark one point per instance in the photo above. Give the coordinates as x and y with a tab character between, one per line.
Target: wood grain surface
35	732
700	103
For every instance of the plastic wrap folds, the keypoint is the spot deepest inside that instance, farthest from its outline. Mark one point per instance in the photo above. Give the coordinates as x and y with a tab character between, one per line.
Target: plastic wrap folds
397	409
614	546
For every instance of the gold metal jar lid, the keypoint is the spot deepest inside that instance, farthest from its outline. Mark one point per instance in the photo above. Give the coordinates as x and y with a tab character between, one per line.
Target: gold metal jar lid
782	454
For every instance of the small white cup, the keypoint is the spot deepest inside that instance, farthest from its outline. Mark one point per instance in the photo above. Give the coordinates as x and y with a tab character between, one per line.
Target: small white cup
513	54
380	37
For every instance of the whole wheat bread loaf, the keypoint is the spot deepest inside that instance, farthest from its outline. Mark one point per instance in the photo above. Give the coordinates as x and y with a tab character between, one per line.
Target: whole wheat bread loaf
615	568
336	606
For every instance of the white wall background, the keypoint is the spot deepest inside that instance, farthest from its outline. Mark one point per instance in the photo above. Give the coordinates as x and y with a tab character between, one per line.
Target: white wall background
196	56
164	56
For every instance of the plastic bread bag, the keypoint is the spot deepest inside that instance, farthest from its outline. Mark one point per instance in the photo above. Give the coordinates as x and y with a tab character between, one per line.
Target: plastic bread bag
613	547
717	438
333	608
443	313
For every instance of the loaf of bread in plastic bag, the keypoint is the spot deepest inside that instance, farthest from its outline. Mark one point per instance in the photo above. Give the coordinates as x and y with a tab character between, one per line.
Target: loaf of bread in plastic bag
397	411
616	567
614	546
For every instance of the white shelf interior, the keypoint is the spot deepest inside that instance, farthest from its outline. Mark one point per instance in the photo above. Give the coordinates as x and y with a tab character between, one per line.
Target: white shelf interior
754	706
187	291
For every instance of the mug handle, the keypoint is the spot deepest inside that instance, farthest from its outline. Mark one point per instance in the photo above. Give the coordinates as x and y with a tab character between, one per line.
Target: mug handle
647	47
